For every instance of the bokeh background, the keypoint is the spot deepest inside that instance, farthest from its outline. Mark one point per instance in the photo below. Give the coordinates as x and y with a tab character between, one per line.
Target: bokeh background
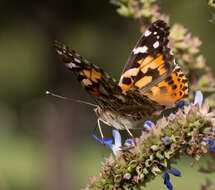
46	143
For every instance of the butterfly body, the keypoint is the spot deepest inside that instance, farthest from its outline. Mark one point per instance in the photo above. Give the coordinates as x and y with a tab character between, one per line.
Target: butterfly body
128	111
150	82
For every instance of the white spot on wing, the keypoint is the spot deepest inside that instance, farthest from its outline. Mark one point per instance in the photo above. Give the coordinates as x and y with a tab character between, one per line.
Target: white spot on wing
96	67
59	52
86	82
77	55
70	54
131	72
157	37
73	65
155	33
77	60
86	61
147	33
156	44
140	50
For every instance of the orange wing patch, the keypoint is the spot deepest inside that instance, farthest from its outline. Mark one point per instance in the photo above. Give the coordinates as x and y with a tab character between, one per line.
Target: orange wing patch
144	81
149	69
94	92
91	74
145	61
127	80
154	64
171	90
95	76
90	79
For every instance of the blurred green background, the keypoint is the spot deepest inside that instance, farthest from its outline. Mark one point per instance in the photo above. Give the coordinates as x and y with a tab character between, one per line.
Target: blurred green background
46	143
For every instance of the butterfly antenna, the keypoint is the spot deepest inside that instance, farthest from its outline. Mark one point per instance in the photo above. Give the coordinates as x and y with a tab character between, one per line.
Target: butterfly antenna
70	99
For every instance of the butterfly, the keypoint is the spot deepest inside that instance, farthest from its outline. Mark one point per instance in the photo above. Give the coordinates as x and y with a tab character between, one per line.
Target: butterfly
150	82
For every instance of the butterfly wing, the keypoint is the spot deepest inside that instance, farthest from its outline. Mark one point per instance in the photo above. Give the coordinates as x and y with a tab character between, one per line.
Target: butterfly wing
150	60
96	82
151	67
117	107
171	90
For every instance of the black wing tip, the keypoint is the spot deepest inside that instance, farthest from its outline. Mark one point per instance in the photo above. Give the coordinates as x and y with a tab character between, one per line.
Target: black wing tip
59	45
64	50
163	27
56	43
161	23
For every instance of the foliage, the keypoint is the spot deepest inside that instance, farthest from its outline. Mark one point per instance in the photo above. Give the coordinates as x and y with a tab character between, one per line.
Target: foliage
211	3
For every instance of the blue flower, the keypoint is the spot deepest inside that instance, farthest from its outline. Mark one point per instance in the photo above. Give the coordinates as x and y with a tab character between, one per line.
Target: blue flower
182	104
129	142
197	100
117	139
165	140
107	142
166	177
148	125
211	144
167	181
209	141
175	172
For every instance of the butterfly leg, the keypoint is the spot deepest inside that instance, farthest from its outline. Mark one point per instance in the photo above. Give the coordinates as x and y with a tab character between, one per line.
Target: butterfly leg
131	135
102	136
100	130
129	132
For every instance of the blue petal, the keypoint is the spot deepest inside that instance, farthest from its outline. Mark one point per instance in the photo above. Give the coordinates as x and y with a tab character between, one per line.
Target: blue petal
129	142
211	145
167	181
212	148
175	172
182	104
108	142
148	125
117	137
210	142
198	98
165	140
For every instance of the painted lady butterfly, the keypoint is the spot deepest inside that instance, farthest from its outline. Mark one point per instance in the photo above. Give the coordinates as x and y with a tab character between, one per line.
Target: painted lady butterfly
151	81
